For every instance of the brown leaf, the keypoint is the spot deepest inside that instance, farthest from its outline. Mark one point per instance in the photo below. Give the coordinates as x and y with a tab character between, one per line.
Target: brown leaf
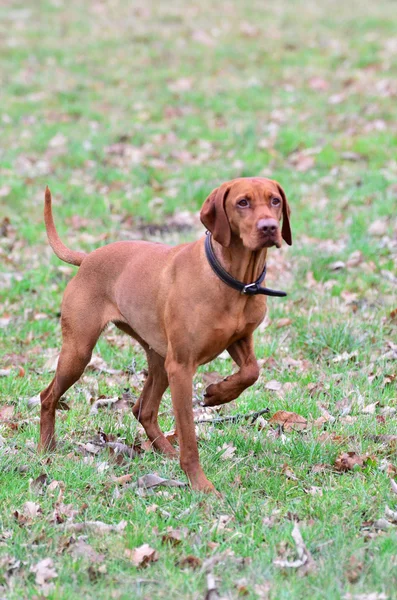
37	485
288	420
142	556
283	323
122	480
44	571
273	385
7	412
304	560
318	84
191	561
96	527
152	480
174	536
227	450
354	569
212	591
288	472
32	510
83	550
348	461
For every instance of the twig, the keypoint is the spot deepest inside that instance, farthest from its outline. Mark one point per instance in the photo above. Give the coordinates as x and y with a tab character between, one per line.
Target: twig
234	418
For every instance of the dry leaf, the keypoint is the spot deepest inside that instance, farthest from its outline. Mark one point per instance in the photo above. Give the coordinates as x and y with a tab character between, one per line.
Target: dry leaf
288	472
393	485
174	536
32	510
370	408
36	486
227	450
273	385
96	527
354	569
142	556
288	420
44	571
378	228
283	323
347	461
151	480
80	549
304	561
122	480
7	412
212	592
191	561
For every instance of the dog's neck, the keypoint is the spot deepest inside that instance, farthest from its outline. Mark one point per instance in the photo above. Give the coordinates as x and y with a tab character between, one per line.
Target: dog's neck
241	263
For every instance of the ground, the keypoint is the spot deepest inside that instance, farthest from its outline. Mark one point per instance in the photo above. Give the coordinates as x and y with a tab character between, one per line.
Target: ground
132	113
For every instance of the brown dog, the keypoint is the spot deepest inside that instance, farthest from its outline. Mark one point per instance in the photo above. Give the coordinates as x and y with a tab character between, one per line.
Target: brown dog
180	311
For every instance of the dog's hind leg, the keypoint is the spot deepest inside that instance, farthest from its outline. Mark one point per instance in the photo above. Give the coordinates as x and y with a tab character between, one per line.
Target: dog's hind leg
81	328
147	406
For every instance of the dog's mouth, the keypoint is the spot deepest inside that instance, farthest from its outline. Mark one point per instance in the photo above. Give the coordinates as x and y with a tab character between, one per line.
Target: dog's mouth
268	241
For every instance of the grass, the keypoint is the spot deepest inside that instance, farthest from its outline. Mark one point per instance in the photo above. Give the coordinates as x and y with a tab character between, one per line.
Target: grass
194	94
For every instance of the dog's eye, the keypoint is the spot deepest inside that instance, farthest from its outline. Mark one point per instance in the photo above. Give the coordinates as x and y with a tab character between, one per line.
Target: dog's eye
276	202
243	203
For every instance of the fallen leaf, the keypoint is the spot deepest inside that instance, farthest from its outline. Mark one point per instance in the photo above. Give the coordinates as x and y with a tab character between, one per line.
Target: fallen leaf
191	561
348	461
304	559
174	536
288	420
345	356
393	485
36	486
44	571
227	451
80	549
354	569
318	84
32	510
273	385
391	515
337	265
283	323
288	472
370	408
142	556
378	228
96	527
122	480
152	480
314	490
212	591
7	412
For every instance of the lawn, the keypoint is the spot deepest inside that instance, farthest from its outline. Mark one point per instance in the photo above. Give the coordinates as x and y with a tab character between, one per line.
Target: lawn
132	113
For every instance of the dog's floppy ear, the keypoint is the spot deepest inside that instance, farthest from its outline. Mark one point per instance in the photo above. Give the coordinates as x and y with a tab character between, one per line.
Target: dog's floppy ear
213	215
286	228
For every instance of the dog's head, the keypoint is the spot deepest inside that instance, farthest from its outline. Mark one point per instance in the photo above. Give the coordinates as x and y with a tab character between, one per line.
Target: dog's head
250	208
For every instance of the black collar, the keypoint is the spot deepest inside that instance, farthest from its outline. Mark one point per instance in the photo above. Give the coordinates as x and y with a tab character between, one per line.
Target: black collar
251	289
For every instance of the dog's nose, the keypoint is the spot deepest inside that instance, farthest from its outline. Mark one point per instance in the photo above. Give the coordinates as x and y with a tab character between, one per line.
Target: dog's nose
267	226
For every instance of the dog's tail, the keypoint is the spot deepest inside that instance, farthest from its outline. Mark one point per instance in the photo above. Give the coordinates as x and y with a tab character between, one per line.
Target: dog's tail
72	257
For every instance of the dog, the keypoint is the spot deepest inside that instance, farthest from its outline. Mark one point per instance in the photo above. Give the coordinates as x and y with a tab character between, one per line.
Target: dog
184	304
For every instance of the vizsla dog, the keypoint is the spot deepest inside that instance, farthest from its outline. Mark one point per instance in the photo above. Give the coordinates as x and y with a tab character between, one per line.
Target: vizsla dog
183	304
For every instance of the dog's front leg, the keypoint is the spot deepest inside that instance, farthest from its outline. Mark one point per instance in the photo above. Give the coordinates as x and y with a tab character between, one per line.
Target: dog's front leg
242	352
180	377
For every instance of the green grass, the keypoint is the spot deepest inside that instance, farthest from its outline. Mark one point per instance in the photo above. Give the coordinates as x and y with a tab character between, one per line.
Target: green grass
199	93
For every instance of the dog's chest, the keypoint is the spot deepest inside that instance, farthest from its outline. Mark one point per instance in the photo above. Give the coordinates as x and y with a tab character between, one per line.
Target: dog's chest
244	317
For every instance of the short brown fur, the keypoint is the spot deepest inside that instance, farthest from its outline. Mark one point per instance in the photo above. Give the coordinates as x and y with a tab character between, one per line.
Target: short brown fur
170	300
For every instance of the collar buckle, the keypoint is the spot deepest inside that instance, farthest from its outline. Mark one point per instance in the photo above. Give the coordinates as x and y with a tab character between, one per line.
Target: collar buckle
250	289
